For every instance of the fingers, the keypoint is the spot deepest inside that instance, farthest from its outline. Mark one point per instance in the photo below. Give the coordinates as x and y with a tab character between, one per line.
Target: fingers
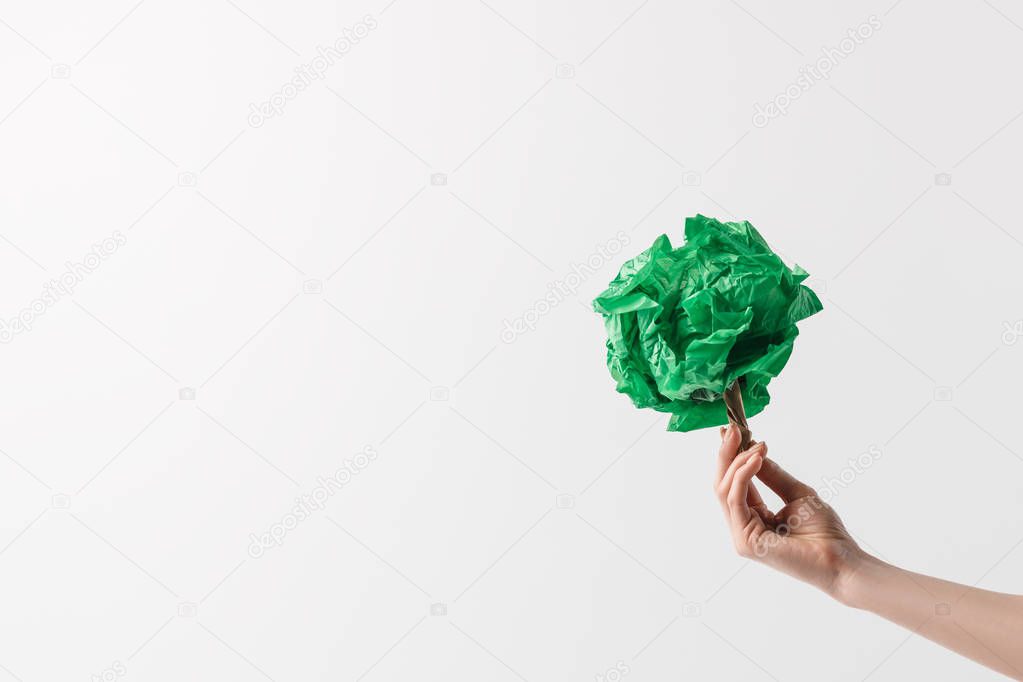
744	509
782	482
726	481
729	449
739	513
727	485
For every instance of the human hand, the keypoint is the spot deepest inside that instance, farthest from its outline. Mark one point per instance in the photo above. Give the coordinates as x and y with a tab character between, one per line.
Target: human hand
805	538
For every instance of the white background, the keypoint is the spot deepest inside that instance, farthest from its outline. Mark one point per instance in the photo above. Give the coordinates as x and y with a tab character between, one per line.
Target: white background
126	511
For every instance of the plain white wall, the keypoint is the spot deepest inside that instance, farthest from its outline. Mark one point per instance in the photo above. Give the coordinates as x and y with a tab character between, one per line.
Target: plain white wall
283	291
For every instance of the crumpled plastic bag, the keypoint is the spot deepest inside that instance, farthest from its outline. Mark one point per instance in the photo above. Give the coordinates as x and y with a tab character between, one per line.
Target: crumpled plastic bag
684	323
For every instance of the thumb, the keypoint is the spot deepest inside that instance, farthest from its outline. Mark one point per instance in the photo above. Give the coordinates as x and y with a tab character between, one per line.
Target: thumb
783	483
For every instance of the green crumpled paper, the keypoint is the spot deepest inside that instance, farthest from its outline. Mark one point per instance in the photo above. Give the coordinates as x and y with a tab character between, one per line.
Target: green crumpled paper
684	323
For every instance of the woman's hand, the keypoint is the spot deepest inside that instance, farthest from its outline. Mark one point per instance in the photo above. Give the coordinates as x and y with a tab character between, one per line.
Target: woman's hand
804	539
807	540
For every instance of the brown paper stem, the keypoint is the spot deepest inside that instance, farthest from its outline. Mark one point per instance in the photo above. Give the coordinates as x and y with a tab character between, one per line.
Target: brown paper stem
737	414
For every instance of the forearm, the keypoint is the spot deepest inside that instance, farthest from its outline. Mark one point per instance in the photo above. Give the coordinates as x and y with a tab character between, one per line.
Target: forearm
982	625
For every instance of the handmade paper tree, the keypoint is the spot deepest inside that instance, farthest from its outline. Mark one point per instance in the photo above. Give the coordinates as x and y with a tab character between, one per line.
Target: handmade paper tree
700	330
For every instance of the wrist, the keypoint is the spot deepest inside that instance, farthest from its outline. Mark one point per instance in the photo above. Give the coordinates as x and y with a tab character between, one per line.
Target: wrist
857	578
